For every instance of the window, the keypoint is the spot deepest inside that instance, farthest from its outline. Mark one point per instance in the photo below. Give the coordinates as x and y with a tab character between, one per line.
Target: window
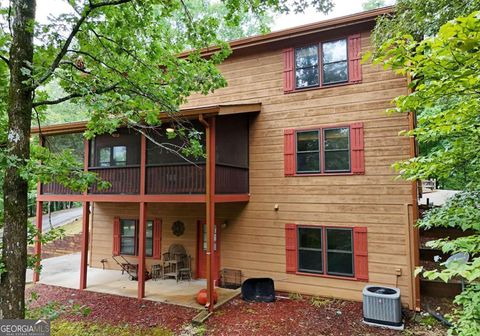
335	150
113	156
333	65
322	64
338	253
310	256
335	62
128	234
129	237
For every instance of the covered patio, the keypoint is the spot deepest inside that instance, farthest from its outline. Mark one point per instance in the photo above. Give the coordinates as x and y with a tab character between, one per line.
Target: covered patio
63	271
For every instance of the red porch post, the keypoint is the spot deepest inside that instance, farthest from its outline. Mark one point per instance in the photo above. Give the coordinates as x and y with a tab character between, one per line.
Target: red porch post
38	243
84	249
210	210
142	220
141	250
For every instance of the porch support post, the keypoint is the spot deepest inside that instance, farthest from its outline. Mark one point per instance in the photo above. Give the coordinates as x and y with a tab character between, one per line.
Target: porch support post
38	243
141	250
210	210
84	248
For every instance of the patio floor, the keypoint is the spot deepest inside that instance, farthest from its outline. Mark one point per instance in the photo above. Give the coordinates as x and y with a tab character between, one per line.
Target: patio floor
64	271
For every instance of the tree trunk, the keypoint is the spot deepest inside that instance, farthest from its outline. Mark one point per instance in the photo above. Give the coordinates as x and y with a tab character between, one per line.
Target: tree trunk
14	253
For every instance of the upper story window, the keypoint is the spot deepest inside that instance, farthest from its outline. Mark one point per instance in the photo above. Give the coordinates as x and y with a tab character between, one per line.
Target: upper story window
333	64
325	150
322	64
113	156
120	149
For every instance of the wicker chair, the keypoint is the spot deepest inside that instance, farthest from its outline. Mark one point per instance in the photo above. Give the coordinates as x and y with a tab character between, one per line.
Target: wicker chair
185	271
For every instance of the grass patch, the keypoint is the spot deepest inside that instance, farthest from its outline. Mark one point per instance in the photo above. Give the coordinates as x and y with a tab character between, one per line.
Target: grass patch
319	302
67	328
295	296
73	227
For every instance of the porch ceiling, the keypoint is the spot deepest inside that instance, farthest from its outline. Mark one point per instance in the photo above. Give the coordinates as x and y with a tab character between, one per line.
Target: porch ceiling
209	110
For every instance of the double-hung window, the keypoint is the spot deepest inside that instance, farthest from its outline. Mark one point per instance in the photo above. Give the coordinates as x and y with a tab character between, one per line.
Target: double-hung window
326	250
129	237
323	150
321	64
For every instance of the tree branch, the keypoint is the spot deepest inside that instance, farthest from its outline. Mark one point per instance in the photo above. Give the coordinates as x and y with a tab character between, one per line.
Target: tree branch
74	95
75	30
6	60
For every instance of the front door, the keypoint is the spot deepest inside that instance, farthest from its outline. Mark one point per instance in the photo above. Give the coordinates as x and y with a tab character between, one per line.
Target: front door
202	251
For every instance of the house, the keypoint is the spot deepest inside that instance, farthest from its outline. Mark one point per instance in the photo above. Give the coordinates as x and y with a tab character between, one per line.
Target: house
296	185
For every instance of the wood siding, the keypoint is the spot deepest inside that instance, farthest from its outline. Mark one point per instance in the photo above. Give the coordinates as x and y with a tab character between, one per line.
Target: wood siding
254	239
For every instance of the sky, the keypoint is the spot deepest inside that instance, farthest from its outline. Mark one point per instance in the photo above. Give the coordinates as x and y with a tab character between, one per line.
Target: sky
342	7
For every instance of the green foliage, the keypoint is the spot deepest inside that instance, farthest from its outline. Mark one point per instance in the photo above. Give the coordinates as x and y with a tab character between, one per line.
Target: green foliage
420	18
467	318
444	70
372	4
444	73
67	328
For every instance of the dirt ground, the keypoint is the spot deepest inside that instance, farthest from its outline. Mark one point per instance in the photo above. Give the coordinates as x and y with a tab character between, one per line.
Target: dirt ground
288	315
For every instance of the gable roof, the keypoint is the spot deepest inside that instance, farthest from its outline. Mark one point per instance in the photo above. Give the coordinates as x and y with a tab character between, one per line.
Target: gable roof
299	31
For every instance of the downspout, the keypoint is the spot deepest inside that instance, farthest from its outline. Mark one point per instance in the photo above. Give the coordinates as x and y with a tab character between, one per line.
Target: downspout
210	205
414	231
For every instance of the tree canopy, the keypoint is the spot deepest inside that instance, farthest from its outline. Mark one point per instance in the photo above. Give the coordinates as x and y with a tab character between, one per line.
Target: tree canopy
444	68
120	60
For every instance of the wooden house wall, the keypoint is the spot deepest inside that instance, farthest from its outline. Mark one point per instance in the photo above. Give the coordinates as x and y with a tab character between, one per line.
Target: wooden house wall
254	239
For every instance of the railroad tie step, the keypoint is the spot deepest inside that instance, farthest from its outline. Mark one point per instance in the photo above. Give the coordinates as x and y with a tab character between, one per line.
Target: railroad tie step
201	317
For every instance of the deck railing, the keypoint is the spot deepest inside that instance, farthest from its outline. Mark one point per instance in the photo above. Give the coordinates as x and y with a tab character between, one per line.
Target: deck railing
163	179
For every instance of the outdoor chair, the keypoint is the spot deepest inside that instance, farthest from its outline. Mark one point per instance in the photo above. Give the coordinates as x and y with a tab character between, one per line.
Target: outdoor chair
156	271
185	272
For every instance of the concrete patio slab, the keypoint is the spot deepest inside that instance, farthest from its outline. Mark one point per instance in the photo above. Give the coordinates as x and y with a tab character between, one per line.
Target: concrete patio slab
64	271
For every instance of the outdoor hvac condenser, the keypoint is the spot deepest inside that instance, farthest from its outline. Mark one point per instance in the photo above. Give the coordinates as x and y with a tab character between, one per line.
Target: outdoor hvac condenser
381	307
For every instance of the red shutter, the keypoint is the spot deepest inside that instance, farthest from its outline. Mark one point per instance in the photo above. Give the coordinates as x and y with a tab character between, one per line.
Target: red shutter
116	236
354	66
357	148
157	238
291	248
288	70
361	253
289	152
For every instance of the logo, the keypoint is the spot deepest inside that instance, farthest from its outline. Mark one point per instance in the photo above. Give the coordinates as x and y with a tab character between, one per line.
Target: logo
25	327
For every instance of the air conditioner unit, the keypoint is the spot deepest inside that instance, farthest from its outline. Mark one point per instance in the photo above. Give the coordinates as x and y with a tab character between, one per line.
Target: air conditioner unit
382	307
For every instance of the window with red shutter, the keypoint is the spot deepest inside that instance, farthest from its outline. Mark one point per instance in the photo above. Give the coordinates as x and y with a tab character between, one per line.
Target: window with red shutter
291	248
323	64
327	251
361	253
324	150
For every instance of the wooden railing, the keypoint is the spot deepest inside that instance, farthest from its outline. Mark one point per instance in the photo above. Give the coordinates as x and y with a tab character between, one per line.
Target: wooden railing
55	188
163	179
231	180
124	180
176	179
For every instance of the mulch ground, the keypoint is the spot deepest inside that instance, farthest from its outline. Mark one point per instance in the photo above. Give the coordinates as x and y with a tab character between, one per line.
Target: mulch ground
113	309
287	316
